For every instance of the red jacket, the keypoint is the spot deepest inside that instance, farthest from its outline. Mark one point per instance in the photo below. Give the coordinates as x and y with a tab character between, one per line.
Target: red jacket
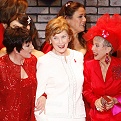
95	87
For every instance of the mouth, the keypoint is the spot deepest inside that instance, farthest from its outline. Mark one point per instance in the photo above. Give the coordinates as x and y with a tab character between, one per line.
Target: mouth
95	54
61	46
83	24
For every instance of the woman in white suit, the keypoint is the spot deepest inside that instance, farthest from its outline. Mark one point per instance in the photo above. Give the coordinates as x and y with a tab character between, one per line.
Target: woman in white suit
60	76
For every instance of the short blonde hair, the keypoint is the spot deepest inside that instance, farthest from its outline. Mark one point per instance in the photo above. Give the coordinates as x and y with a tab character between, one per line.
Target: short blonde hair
56	26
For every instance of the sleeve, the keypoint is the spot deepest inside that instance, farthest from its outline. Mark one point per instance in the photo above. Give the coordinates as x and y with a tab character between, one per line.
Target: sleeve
41	78
87	89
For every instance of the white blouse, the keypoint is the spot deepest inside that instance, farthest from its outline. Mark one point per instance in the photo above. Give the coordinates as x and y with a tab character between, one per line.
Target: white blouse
61	78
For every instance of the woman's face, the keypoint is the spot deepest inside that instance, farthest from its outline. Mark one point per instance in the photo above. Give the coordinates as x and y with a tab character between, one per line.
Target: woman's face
98	48
26	50
78	20
15	23
60	42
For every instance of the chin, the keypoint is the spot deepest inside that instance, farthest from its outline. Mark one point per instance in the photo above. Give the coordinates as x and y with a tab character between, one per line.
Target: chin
29	56
81	30
96	58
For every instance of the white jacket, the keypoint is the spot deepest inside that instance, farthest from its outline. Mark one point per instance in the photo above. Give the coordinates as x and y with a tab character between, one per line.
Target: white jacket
61	78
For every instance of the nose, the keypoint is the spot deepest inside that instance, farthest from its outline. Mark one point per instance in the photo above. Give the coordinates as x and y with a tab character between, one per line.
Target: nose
92	47
84	19
60	40
31	47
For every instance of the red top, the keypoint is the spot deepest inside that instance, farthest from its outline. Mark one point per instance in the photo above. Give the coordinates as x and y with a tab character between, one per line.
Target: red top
95	87
17	96
1	35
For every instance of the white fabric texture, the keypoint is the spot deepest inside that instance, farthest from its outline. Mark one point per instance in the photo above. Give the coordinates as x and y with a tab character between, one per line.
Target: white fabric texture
61	78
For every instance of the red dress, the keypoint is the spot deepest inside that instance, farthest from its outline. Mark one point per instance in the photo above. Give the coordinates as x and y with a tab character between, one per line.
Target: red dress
17	96
1	35
95	87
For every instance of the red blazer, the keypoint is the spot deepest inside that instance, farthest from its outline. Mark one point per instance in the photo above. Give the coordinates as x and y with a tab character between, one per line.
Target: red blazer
95	87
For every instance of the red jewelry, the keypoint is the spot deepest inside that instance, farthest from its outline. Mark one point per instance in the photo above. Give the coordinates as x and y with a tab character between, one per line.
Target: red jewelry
74	60
107	58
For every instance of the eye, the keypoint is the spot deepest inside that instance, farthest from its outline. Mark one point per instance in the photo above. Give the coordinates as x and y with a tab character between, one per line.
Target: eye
64	36
28	44
54	37
82	16
96	45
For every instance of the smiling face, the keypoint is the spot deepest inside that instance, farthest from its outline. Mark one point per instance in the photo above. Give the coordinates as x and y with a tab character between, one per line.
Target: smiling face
98	48
78	20
60	43
16	23
26	50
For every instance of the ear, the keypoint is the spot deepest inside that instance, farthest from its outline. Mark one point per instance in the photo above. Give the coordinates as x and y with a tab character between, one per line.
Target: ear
108	49
15	50
50	41
67	19
69	39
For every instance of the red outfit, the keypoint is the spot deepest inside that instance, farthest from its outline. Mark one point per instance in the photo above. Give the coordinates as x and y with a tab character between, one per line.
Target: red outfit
17	96
1	35
46	47
95	87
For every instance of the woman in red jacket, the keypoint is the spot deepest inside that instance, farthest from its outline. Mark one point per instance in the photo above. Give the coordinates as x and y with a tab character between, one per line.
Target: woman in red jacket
102	84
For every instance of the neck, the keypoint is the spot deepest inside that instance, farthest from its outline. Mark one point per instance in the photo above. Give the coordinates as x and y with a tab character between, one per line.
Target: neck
103	63
16	58
65	53
75	34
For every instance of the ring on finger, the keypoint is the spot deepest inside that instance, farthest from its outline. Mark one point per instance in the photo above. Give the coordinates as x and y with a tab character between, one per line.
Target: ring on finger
98	109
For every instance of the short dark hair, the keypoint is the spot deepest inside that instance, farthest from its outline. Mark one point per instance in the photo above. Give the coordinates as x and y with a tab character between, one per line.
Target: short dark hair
15	37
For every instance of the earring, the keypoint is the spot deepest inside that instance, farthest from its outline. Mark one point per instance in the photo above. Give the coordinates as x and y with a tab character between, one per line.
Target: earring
107	58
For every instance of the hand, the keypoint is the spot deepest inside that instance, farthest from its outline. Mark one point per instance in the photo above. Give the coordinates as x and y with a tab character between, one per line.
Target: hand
112	102
40	104
98	105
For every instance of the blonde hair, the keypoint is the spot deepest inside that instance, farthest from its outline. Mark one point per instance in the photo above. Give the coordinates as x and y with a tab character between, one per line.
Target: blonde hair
56	26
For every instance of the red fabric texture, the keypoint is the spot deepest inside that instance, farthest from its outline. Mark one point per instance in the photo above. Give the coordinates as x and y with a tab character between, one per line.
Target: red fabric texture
46	47
108	28
1	36
95	87
17	96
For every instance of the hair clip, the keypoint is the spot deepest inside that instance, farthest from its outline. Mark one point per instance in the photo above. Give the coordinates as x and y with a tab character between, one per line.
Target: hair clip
105	33
29	20
68	3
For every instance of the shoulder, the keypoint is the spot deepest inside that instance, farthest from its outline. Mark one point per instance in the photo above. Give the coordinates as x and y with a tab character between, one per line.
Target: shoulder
91	63
46	57
77	53
37	53
31	61
116	60
4	60
2	51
